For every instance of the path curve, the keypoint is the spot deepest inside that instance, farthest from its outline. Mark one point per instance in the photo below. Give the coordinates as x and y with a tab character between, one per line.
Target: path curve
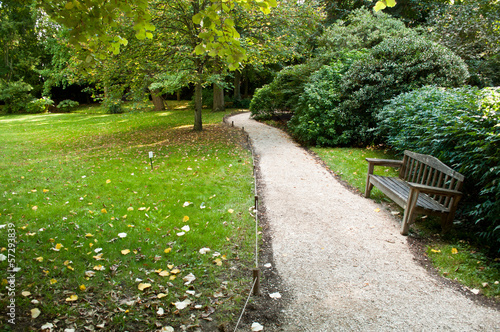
346	267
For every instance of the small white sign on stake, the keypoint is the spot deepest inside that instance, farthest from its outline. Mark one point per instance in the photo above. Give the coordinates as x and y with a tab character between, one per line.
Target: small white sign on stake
151	158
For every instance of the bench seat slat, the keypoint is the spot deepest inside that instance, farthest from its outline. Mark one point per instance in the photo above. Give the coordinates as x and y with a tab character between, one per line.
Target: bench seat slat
401	189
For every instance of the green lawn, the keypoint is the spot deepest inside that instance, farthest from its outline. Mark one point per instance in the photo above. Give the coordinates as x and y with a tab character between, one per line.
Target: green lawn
350	165
103	240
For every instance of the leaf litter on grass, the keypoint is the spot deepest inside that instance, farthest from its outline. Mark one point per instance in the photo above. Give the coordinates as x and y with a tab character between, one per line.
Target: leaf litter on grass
97	201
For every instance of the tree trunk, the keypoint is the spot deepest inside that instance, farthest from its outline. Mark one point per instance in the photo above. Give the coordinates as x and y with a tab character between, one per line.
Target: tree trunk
178	95
237	85
218	105
198	106
157	100
245	81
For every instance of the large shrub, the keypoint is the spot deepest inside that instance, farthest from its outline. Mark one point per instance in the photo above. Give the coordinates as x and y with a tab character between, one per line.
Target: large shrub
394	66
16	95
317	116
461	127
283	93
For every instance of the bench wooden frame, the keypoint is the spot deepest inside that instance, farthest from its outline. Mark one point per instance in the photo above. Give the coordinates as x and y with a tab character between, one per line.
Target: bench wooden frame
424	186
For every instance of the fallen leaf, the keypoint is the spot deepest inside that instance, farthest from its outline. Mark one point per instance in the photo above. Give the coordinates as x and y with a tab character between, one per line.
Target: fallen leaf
89	274
164	274
257	327
57	247
34	208
98	257
181	233
99	267
230	210
130	208
160	311
122	235
175	271
183	304
104	211
186	228
108	181
88	235
142	286
189	279
52	281
167	329
275	295
377	210
186	204
434	250
170	266
161	295
45	190
167	250
454	251
218	262
82	288
40	259
203	251
125	251
35	313
72	298
26	293
47	327
186	218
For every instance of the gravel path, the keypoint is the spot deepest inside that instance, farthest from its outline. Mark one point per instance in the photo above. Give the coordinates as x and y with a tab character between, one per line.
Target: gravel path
344	265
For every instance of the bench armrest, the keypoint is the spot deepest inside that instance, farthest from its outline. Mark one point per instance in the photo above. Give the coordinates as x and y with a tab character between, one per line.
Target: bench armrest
382	162
434	190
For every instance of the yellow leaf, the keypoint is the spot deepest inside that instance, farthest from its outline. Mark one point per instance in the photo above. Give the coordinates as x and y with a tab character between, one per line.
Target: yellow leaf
91	244
99	267
164	274
53	281
66	262
175	271
45	190
186	218
108	181
125	251
170	266
161	295
379	6
98	257
230	210
34	208
72	298
143	286
454	251
70	268
40	259
130	208
434	250
167	250
88	235
52	240
377	210
172	277
104	211
218	262
35	313
26	293
124	216
82	288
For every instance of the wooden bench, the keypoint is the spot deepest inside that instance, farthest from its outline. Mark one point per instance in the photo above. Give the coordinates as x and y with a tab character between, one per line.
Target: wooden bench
424	186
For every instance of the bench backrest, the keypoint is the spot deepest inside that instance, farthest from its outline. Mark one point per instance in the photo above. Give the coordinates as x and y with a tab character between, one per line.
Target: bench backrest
430	171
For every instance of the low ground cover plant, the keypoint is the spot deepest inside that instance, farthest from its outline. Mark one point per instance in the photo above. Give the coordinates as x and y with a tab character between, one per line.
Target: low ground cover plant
105	242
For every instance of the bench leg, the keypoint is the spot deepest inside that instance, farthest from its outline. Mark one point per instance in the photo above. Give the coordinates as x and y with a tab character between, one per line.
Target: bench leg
409	215
369	187
447	222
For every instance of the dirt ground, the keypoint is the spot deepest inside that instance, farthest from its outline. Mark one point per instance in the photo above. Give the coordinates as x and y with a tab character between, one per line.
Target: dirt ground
338	262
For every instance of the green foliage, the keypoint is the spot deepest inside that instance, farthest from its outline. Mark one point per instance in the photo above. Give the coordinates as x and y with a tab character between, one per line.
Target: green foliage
472	30
40	105
361	29
317	119
283	93
461	127
16	95
67	105
394	66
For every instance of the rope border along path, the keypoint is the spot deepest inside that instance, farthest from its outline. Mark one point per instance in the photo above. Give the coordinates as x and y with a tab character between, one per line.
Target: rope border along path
255	290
